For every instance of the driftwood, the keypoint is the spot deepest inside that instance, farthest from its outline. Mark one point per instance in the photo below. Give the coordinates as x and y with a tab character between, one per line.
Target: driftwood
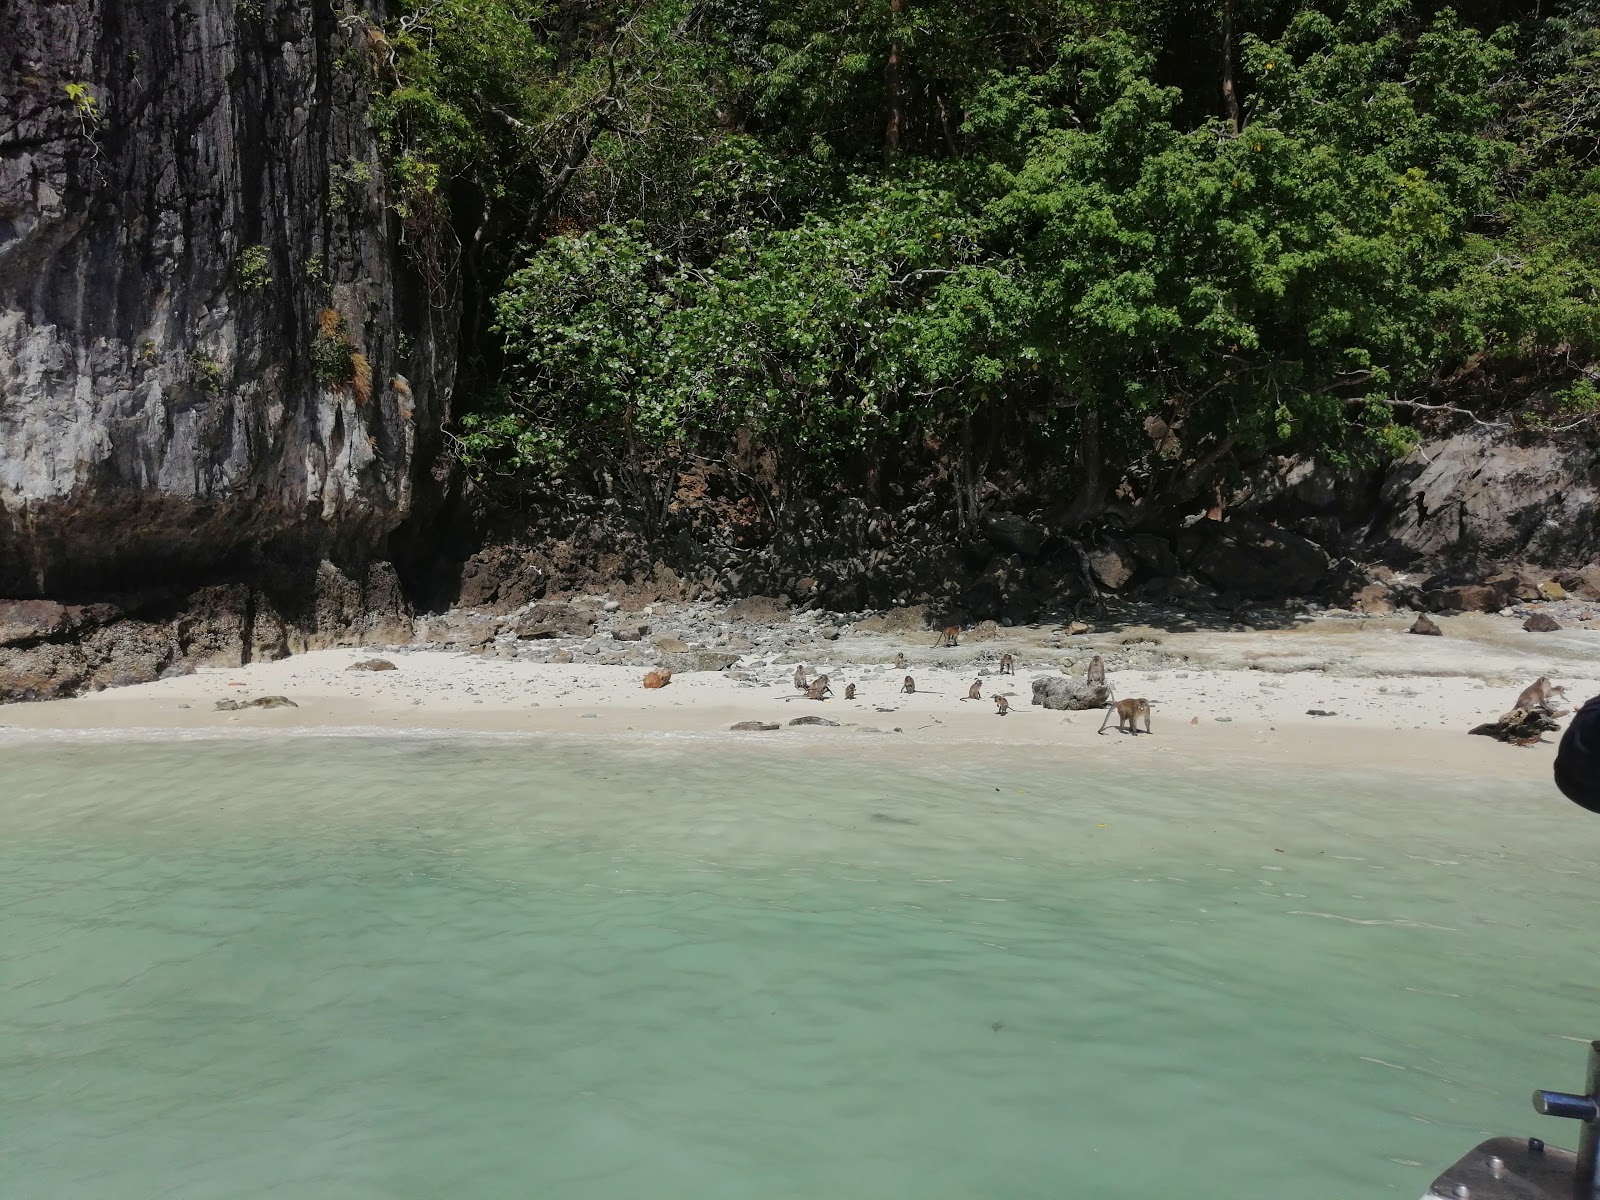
1519	727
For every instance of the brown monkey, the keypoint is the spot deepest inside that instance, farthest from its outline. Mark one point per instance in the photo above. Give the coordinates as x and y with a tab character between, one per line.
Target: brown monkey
800	677
1539	694
819	688
899	662
951	636
975	692
1001	706
1008	665
909	686
1128	713
1096	676
849	691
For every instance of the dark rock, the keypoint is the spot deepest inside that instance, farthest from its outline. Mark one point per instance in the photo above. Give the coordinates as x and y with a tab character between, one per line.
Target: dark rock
682	662
212	628
128	652
1016	534
1541	623
754	727
1425	626
632	633
814	721
1375	599
1063	693
912	619
258	702
24	621
1155	554
1479	498
1471	597
372	664
1113	564
499	579
1255	559
1584	583
46	671
552	621
177	670
760	610
1320	712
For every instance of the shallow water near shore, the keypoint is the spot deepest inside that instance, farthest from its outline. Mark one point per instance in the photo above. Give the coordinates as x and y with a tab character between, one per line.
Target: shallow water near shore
496	967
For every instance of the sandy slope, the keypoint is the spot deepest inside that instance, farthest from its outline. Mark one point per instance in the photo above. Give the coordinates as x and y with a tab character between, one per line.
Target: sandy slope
1398	700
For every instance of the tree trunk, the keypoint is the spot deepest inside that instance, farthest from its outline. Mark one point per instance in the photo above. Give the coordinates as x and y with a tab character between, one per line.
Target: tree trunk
894	88
1230	94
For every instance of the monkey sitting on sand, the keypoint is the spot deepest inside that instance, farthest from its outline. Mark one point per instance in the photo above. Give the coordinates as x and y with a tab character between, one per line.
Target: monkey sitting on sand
975	692
909	686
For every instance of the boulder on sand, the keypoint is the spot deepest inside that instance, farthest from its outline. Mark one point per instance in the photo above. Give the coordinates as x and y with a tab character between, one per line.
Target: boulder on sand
1065	694
1425	626
1541	623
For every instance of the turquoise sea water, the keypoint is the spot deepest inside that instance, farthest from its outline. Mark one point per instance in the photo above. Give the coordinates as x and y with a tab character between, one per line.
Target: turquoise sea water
341	967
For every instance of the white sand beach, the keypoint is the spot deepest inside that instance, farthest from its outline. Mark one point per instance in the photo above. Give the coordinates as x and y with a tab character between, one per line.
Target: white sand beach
1394	700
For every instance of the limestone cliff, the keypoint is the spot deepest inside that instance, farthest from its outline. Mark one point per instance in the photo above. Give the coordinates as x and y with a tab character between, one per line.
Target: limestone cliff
212	352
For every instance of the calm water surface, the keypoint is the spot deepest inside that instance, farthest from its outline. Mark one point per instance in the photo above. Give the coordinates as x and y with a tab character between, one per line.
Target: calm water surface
338	967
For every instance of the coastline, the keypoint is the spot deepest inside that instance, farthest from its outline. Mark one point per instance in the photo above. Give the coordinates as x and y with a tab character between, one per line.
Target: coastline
1398	703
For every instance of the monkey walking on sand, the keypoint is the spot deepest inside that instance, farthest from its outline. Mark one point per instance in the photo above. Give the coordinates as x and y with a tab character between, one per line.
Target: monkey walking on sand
949	636
849	691
1001	706
1128	713
909	686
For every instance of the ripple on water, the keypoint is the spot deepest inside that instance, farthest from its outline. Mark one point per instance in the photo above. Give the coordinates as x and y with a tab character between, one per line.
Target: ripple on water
484	967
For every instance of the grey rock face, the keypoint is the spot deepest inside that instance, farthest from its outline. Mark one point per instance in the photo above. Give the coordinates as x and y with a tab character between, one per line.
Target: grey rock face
189	195
1479	499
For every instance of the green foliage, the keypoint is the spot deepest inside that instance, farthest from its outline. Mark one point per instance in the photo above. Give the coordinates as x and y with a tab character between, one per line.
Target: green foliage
84	101
839	227
348	182
206	372
252	270
331	351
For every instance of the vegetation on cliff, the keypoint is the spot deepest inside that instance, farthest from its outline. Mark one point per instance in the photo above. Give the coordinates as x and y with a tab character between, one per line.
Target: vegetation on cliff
1111	248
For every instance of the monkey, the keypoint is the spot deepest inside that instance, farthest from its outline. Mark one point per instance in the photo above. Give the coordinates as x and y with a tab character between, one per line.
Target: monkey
975	692
819	688
1128	713
1008	665
1538	696
951	636
849	691
899	662
1096	676
1001	706
800	677
909	686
